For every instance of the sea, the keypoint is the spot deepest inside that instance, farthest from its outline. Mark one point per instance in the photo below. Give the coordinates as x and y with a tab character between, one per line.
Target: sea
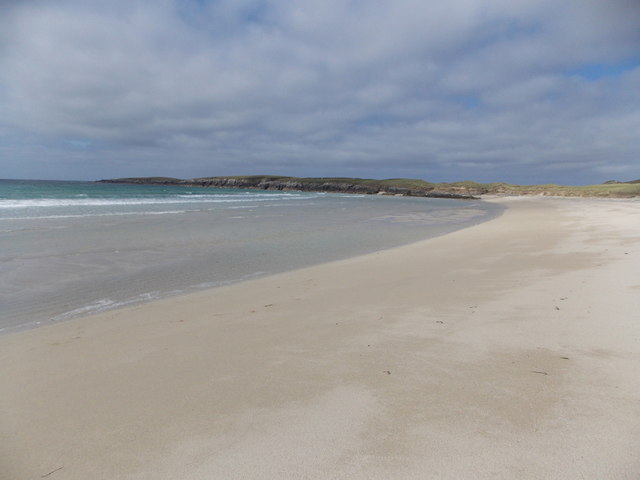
69	248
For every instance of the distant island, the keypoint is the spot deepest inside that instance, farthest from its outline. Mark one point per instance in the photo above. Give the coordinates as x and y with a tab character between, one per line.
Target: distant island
393	186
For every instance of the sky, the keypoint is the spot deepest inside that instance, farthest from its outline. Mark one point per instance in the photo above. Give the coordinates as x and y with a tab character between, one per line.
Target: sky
527	91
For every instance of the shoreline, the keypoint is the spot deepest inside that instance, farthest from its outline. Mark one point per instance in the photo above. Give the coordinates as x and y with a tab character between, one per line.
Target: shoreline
503	350
222	244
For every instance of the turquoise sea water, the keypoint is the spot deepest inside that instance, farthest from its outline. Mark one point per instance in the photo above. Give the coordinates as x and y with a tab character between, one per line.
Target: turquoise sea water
47	199
73	248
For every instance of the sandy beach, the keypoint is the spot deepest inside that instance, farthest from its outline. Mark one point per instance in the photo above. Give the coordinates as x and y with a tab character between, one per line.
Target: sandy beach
510	350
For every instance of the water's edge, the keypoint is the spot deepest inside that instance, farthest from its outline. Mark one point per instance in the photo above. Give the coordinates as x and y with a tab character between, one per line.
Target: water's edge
79	261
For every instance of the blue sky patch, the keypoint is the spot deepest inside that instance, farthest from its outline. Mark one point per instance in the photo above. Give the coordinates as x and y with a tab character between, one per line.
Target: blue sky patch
598	71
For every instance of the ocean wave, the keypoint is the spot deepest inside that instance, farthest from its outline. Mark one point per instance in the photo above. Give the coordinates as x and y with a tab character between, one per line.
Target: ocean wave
80	215
113	202
106	304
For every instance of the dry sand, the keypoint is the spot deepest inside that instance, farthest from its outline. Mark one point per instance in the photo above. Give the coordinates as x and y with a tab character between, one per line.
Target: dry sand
508	350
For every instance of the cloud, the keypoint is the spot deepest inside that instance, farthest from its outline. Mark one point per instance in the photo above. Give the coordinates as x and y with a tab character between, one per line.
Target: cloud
440	90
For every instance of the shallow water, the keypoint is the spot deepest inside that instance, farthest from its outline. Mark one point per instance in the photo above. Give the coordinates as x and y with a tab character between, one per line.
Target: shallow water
72	248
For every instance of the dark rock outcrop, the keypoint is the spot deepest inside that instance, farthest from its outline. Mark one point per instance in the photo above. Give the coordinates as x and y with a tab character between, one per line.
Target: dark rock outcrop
399	186
306	185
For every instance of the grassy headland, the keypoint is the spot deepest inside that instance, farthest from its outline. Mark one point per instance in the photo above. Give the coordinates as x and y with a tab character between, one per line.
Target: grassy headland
394	186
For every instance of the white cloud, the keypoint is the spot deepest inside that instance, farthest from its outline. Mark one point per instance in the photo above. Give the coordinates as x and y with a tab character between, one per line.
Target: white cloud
457	88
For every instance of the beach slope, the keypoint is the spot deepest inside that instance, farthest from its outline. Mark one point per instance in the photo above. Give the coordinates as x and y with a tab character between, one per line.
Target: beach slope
510	349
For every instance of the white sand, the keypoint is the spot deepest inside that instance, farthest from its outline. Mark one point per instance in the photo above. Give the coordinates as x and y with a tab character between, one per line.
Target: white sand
509	350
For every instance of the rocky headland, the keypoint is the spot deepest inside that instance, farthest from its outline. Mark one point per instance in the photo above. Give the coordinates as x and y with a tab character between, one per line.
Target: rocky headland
396	186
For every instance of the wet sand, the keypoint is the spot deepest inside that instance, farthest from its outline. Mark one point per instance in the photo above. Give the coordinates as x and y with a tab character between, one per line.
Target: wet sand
506	350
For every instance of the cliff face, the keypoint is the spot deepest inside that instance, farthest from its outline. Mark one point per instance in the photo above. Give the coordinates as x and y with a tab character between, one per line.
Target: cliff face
320	186
307	185
399	186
